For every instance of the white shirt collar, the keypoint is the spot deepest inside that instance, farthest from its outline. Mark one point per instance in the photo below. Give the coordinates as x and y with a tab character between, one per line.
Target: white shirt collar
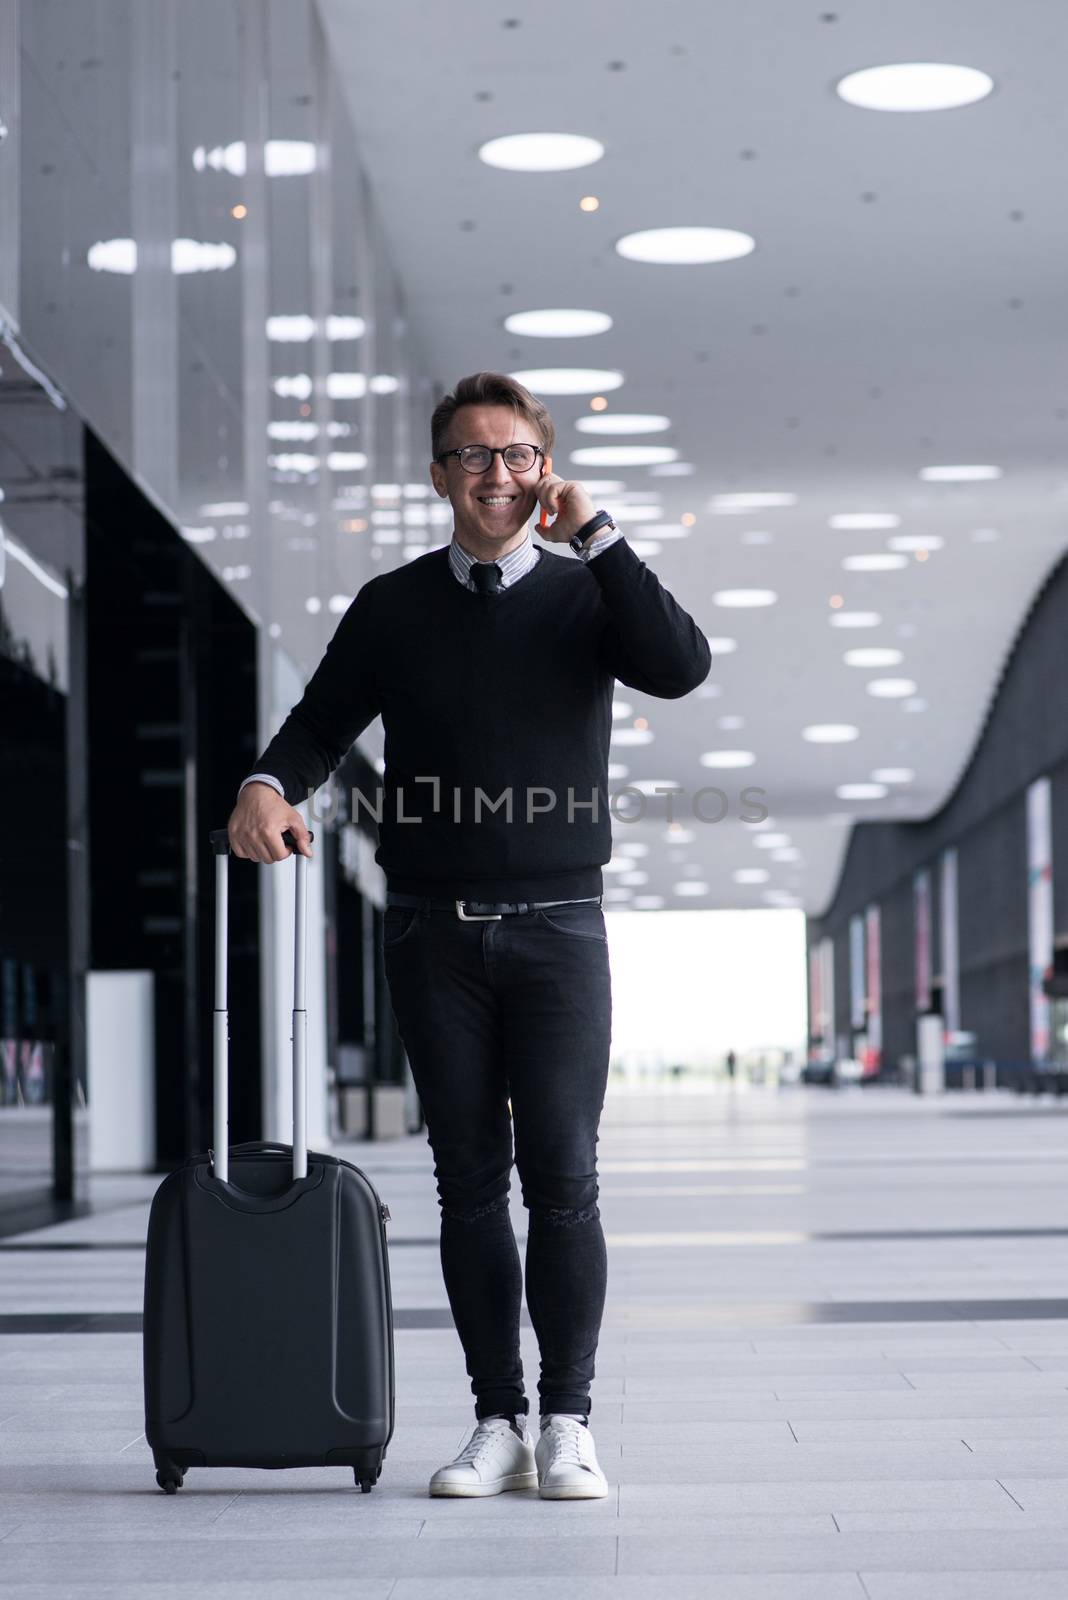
515	565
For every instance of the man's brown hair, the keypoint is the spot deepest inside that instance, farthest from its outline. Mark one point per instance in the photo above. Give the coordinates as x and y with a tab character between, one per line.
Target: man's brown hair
491	389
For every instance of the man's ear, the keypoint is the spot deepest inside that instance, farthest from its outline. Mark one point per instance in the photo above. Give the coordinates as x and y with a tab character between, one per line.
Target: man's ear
438	479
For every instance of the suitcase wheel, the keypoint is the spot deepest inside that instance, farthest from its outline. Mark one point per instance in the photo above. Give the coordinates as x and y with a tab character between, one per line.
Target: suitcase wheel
366	1480
170	1478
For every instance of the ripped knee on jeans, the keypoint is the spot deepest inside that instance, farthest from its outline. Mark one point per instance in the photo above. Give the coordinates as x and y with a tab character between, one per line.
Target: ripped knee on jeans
475	1213
564	1216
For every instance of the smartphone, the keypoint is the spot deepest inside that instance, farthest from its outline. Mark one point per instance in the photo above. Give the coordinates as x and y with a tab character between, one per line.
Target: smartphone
543	520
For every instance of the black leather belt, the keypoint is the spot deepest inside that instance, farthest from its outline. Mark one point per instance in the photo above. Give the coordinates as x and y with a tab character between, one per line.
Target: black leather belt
481	910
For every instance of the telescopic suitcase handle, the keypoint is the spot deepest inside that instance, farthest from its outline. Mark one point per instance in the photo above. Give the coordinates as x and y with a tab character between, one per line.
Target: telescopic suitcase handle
220	844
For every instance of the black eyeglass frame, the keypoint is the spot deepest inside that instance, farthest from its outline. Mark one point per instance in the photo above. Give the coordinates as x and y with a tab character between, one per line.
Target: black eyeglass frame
494	450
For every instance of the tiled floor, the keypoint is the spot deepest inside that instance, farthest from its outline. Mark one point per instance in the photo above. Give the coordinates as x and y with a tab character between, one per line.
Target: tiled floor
834	1366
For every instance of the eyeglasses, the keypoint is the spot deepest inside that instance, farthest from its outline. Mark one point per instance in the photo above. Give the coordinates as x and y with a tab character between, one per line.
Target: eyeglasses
479	457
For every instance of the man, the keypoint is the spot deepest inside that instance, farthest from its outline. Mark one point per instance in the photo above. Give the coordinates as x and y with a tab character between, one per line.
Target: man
492	665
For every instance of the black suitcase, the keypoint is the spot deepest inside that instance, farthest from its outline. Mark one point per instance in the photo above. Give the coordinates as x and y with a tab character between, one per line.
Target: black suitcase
268	1323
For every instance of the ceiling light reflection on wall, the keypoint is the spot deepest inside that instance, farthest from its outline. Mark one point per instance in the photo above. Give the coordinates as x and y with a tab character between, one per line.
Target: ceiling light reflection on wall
914	86
302	431
541	152
282	158
299	328
295	386
558	323
187	255
685	246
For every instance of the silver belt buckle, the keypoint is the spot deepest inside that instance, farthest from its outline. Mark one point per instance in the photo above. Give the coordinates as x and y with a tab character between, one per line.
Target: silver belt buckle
485	916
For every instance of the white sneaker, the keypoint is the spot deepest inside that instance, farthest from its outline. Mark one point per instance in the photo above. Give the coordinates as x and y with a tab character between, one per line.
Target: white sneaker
567	1461
493	1459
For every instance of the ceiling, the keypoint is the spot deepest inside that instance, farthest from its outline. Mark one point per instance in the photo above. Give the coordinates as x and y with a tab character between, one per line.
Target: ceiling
903	307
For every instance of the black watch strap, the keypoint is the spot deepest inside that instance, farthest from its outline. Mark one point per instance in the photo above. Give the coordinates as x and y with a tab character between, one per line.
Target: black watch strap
595	524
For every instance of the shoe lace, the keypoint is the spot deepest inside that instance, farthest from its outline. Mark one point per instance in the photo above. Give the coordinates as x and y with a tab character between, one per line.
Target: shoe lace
568	1440
486	1434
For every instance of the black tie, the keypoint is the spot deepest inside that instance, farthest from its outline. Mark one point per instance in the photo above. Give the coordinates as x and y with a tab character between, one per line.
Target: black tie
486	576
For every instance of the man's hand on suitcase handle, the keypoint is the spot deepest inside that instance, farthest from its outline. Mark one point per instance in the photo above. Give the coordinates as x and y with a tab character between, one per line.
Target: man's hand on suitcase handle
259	823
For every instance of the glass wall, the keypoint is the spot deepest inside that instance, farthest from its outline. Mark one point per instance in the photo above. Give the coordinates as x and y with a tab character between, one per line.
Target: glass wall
202	272
191	265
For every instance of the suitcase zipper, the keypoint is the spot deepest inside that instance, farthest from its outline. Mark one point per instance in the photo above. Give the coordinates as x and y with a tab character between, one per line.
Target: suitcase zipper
383	1211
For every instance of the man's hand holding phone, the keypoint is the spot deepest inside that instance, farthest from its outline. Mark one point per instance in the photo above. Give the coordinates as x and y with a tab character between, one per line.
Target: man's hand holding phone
568	502
258	822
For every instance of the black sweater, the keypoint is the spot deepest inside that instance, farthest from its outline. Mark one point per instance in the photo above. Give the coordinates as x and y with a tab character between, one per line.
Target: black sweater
493	693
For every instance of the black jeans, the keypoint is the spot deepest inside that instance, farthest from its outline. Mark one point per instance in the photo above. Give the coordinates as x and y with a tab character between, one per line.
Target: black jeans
516	1009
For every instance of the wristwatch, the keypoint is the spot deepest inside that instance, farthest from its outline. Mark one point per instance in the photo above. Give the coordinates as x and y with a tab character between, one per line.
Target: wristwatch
596	523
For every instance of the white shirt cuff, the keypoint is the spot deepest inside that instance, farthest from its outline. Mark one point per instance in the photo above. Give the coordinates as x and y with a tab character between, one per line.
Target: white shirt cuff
599	542
264	777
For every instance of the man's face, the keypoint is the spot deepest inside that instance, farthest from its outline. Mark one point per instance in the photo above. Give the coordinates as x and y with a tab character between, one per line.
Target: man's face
480	524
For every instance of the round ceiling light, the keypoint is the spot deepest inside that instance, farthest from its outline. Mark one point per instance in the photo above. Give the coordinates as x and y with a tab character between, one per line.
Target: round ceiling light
960	474
916	541
744	598
567	380
915	86
722	647
865	519
876	562
623	455
541	152
873	658
750	875
728	758
854	619
890	688
558	324
893	775
861	791
735	504
830	733
685	246
622	422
